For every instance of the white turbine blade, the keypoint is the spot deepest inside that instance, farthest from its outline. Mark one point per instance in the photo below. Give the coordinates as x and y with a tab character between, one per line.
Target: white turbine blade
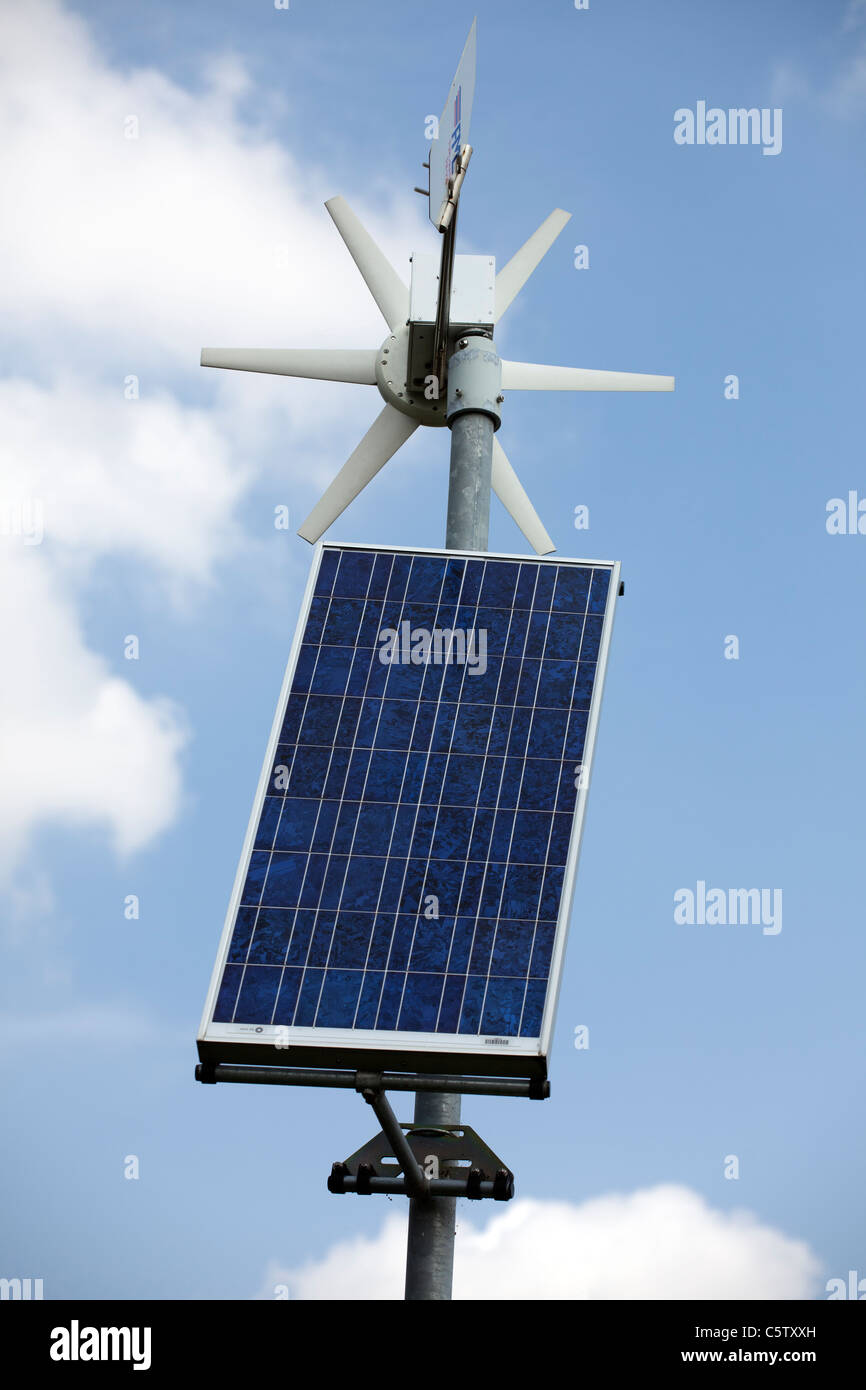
388	431
532	376
382	280
318	364
511	493
513	276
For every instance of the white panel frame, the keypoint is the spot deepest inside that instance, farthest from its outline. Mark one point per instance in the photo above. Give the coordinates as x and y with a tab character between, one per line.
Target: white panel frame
507	1056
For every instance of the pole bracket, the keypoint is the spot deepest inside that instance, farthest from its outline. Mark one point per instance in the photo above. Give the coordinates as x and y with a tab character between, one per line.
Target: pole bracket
418	1161
474	378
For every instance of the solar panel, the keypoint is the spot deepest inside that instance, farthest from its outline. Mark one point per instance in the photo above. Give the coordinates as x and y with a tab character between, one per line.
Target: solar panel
404	889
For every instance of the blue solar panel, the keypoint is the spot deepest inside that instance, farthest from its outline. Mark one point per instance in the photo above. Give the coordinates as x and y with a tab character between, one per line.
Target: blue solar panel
407	873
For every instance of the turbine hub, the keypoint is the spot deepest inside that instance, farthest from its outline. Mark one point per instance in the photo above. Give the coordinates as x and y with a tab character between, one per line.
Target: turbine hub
422	398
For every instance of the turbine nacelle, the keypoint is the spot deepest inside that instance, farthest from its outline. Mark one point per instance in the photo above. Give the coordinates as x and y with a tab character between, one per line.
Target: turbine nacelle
403	367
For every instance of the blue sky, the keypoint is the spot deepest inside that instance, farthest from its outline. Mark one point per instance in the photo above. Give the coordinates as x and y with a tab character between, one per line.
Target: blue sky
137	777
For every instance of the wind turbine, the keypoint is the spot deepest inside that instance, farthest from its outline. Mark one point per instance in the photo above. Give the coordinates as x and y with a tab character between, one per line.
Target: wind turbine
459	306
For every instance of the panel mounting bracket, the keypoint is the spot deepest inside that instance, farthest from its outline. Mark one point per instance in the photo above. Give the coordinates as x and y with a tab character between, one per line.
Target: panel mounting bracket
407	1160
413	1160
529	1088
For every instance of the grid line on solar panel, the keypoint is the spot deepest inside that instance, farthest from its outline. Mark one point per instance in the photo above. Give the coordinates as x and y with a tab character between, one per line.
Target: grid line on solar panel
499	792
348	857
463	678
510	859
436	622
354	834
345	873
310	992
347	860
472	827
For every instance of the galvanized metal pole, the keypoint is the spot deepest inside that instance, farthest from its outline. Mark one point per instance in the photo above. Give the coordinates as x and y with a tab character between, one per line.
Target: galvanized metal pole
474	374
474	398
432	1220
469	482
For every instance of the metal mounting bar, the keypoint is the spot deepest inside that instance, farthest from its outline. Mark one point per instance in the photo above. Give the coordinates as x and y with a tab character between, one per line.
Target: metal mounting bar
450	210
534	1088
415	1184
448	227
499	1189
443	303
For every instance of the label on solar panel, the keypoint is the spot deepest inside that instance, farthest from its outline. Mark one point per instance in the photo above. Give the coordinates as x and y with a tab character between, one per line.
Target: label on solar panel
404	889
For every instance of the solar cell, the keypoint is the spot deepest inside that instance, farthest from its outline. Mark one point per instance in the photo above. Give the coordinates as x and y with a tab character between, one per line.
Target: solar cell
404	888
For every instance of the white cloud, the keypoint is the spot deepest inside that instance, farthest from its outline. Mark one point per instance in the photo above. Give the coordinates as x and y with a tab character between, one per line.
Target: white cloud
127	256
843	96
147	479
659	1243
77	743
201	231
89	475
